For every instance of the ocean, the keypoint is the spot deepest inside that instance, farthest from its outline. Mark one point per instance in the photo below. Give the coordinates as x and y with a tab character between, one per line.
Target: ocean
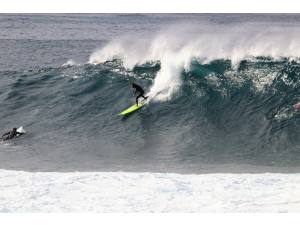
223	88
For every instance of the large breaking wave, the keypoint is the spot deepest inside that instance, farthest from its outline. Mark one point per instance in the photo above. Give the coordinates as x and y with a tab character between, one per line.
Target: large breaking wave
176	47
222	95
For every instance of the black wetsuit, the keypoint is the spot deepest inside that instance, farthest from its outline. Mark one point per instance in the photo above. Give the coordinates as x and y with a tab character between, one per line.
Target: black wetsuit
10	135
139	92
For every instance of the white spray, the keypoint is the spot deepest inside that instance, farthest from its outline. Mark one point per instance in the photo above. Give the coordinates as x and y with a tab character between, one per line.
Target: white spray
177	45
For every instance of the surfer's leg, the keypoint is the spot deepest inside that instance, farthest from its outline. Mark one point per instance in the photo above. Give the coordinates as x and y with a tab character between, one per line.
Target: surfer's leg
5	138
137	98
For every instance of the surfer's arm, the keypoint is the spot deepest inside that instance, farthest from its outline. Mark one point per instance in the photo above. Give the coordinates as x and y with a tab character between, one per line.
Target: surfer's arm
134	91
19	133
5	133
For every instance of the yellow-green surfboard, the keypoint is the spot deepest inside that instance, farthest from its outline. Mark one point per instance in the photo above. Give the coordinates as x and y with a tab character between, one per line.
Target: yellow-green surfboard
132	109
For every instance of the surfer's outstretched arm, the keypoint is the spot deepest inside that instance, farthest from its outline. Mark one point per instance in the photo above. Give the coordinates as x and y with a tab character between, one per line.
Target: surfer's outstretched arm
7	133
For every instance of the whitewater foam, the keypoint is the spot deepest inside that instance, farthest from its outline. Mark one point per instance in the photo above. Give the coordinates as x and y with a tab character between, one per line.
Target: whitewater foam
148	192
70	62
177	45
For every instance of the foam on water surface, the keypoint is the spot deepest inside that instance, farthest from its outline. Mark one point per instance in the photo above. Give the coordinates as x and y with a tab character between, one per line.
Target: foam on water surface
148	192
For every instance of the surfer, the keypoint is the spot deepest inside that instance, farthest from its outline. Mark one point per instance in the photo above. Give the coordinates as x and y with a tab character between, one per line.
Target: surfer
11	134
297	106
139	92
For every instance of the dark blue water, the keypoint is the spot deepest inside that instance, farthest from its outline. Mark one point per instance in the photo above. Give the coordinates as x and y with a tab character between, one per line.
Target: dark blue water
225	114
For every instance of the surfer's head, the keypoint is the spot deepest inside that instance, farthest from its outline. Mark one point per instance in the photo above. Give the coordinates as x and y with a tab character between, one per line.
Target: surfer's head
297	106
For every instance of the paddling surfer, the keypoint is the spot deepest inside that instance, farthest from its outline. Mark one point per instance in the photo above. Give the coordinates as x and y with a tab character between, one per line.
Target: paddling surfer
297	106
10	134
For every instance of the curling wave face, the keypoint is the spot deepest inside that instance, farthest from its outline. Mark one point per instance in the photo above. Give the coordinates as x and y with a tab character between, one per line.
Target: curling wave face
177	46
219	115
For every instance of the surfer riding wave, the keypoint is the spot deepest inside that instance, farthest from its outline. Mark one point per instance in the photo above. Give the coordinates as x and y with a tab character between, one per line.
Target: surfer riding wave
139	92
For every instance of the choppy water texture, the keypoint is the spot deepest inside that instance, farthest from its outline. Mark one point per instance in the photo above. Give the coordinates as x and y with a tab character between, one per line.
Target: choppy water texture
224	88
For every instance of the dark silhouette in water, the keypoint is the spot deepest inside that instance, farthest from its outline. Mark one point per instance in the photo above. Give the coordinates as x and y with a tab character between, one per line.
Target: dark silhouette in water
11	134
139	91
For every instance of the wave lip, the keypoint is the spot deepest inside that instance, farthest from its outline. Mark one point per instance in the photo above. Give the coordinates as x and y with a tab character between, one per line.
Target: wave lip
177	45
